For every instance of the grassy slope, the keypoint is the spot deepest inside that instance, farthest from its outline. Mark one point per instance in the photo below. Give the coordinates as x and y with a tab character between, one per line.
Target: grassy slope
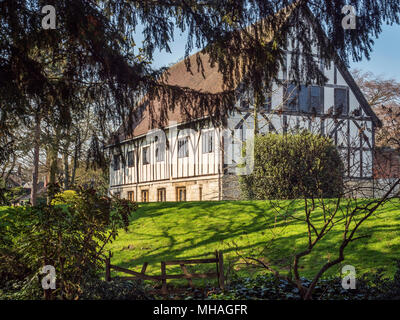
165	231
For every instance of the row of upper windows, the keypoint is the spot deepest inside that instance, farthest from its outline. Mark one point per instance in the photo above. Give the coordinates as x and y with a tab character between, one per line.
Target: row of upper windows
183	151
305	99
310	99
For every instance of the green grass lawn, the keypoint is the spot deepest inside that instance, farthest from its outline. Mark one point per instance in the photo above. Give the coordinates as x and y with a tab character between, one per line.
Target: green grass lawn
167	231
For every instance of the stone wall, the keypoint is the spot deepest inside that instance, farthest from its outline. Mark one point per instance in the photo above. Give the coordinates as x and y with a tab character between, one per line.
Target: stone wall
230	187
197	189
359	188
382	186
370	188
207	188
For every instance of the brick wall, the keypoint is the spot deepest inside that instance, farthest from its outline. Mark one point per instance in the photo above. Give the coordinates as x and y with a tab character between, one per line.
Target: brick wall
387	163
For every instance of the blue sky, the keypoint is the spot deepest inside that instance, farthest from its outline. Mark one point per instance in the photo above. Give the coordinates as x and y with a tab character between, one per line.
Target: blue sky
384	60
385	57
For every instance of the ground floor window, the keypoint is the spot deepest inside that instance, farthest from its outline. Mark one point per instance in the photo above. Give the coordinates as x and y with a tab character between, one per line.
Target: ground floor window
181	194
145	195
161	194
131	196
200	193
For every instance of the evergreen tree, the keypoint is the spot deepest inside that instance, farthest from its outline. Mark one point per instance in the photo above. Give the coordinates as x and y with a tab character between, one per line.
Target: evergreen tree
92	50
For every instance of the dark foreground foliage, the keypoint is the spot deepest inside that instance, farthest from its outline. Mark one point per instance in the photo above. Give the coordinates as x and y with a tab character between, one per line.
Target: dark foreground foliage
372	286
92	289
69	237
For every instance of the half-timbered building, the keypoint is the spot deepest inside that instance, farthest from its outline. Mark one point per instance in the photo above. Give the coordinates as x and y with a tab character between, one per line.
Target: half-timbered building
197	161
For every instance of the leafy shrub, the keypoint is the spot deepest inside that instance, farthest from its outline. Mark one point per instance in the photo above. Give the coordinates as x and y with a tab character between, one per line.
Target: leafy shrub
66	197
116	289
294	166
28	288
370	286
10	195
11	266
70	238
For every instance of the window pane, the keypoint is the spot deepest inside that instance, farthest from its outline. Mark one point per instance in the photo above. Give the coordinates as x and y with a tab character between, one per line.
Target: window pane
116	162
181	194
268	102
161	194
208	142
304	103
341	101
160	152
183	148
316	99
145	195
291	97
242	133
146	155
130	159
244	103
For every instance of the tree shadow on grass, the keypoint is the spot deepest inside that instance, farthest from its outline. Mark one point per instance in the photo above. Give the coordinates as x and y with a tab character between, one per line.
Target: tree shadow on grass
222	230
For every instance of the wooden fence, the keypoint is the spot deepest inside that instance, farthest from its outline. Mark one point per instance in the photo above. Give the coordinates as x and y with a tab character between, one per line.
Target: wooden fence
219	274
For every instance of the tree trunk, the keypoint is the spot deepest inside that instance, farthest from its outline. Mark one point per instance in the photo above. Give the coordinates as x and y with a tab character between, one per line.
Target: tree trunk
75	158
35	174
73	173
53	169
66	171
7	176
66	167
52	165
255	119
258	103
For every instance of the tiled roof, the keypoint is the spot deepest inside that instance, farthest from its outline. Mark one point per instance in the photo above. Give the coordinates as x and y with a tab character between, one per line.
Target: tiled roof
209	80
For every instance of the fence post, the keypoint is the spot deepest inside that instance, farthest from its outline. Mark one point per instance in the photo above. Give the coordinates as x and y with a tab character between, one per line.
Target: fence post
163	279
185	272
221	278
143	271
216	263
108	269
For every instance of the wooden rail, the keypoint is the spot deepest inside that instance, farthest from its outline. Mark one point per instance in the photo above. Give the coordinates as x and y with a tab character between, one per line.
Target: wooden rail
219	274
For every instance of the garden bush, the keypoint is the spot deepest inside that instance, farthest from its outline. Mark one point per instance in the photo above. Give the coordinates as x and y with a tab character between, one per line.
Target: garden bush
70	238
11	195
65	197
294	166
